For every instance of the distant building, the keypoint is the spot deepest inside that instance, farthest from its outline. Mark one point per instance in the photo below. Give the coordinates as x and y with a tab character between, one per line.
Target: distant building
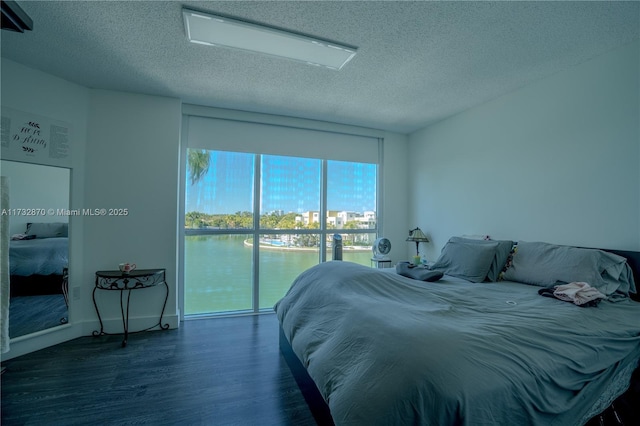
339	219
310	217
367	220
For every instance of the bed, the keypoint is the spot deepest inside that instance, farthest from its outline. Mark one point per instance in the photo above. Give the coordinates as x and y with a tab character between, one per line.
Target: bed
382	348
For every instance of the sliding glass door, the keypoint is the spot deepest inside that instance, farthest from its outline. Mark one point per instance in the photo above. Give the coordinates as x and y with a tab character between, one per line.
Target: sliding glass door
290	188
253	221
218	224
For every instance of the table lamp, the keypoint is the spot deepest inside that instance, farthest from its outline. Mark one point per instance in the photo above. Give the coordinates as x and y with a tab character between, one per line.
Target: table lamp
418	236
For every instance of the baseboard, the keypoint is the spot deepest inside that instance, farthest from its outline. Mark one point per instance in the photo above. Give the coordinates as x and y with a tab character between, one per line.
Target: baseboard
33	342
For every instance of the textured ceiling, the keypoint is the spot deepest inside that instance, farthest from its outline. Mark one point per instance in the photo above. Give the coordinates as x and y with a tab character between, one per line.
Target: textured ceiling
417	62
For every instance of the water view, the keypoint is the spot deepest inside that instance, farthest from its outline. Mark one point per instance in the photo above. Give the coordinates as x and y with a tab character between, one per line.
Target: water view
221	197
218	270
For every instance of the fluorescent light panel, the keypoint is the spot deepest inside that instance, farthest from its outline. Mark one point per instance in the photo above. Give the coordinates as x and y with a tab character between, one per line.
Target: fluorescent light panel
221	31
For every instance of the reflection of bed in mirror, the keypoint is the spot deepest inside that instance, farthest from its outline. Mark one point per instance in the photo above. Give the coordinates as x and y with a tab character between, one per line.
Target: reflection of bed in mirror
38	282
39	248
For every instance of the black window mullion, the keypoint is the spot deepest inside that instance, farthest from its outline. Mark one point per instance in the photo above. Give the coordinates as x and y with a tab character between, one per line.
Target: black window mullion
323	211
257	181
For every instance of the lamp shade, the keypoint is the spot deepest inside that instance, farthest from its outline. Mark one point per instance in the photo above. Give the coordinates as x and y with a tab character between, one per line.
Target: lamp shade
417	236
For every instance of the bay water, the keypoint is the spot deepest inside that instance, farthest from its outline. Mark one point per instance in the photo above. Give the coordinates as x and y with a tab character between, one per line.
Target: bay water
218	272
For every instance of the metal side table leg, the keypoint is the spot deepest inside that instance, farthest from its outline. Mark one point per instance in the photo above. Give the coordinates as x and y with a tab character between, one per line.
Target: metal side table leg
125	316
95	304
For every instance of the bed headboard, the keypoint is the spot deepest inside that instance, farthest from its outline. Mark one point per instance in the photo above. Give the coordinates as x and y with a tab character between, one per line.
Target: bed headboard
633	259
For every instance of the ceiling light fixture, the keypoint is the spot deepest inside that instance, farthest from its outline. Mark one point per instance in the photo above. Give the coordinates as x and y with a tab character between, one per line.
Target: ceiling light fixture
215	30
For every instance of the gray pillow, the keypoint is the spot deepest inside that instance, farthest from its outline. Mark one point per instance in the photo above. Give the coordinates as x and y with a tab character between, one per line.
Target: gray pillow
500	259
466	260
418	273
48	229
543	264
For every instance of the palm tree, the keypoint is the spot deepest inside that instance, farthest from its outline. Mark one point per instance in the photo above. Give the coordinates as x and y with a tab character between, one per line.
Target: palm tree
197	163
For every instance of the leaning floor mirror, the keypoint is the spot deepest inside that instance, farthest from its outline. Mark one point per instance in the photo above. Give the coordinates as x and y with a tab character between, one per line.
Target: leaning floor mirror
38	198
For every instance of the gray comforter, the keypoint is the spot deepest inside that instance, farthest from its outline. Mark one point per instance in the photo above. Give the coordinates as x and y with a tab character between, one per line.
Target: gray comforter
41	256
384	349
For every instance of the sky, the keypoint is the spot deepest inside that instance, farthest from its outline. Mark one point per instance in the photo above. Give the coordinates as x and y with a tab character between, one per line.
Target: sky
289	184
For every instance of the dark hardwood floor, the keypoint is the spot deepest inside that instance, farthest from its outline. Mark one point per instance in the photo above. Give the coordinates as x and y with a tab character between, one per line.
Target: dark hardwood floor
221	371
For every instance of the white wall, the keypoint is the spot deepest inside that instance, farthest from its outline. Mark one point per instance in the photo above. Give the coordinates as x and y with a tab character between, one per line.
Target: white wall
132	163
396	196
42	94
555	161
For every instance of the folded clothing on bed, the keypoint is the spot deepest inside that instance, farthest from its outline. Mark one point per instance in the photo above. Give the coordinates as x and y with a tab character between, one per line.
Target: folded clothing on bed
578	293
418	273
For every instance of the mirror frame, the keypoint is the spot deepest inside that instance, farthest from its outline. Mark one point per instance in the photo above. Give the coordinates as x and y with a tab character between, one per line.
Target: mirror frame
65	321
